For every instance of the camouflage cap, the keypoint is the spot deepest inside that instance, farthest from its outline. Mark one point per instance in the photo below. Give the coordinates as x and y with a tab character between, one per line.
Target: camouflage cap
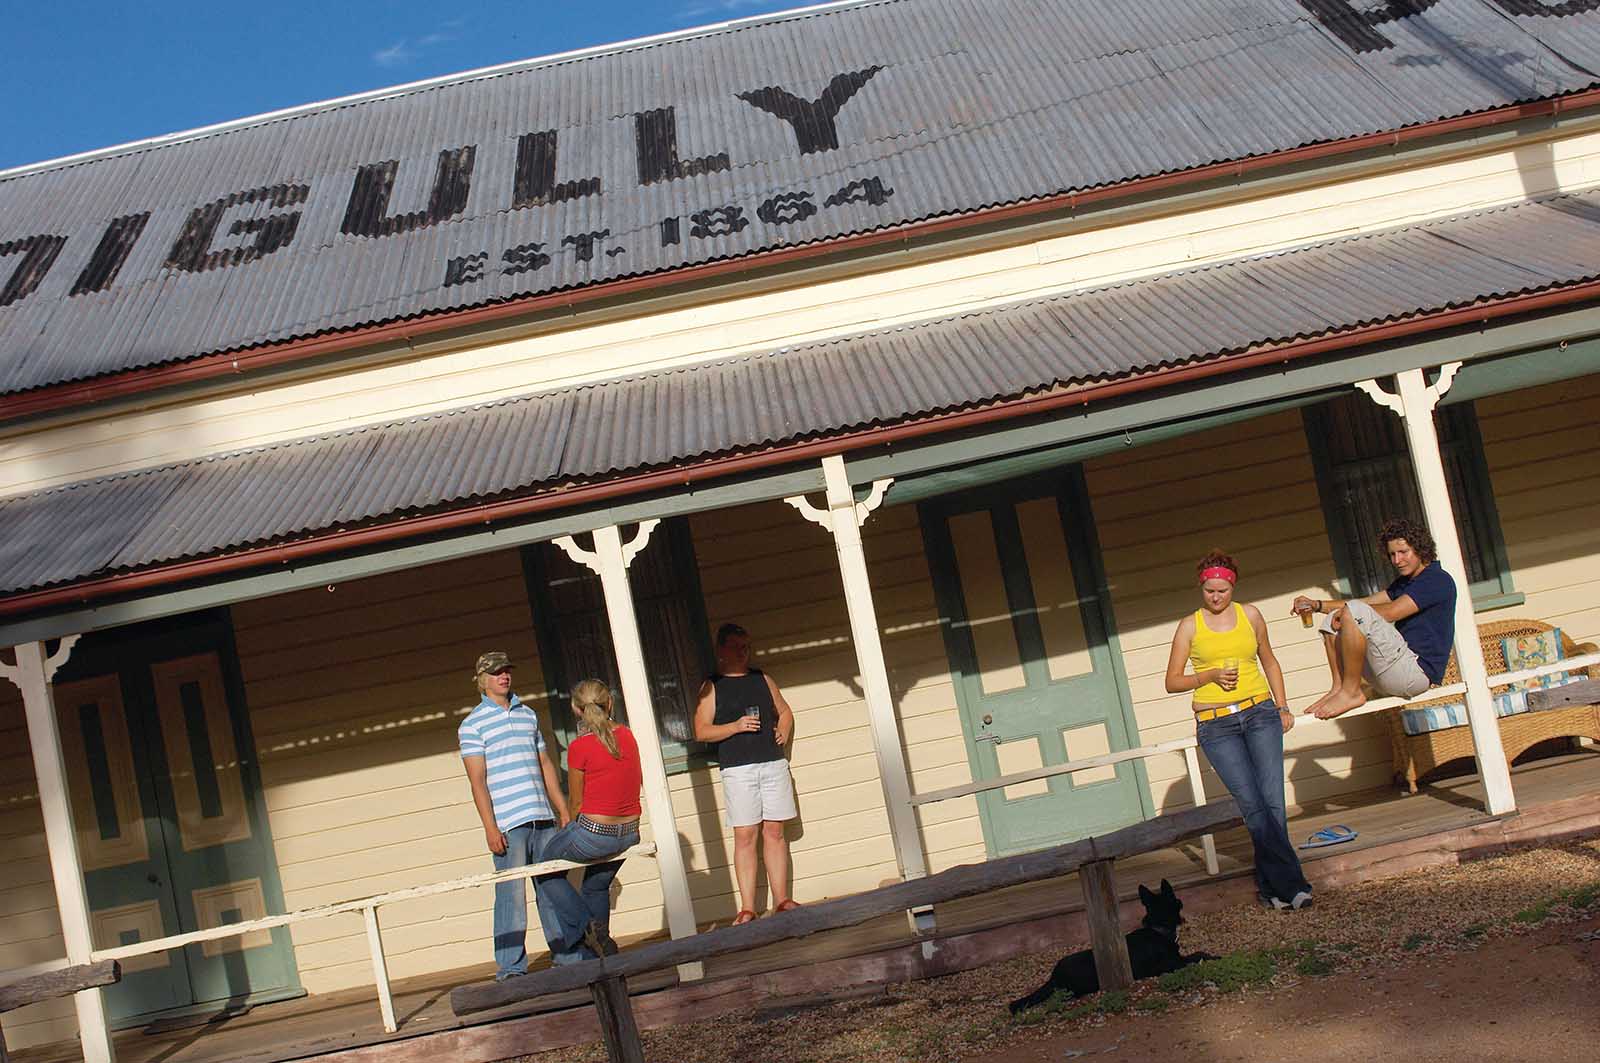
492	662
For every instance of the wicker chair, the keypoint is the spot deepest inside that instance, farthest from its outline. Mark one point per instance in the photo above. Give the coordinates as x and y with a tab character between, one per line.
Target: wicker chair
1417	755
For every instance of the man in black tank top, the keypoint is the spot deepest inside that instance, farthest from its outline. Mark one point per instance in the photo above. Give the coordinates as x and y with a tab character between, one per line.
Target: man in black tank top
742	711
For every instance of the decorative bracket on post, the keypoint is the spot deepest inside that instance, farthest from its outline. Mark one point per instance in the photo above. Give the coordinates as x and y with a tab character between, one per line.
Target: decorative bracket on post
821	517
591	560
52	663
1433	393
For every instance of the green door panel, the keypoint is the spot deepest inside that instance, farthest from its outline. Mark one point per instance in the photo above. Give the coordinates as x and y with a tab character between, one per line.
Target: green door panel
172	831
1038	678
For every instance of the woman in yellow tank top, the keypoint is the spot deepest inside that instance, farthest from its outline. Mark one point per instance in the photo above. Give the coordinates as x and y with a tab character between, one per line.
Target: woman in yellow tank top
1238	691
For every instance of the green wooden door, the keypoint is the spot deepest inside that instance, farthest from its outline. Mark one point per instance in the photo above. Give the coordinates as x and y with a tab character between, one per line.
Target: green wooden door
1029	636
171	825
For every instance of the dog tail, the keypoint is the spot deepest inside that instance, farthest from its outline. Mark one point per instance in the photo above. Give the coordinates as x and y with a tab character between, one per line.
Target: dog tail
1038	996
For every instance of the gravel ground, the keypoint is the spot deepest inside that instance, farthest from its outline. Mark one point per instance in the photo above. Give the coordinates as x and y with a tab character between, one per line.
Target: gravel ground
1370	927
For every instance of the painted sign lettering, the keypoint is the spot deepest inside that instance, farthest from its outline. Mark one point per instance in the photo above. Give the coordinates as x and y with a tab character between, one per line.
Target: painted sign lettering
38	255
1357	25
535	183
192	251
110	253
367	212
812	120
783	208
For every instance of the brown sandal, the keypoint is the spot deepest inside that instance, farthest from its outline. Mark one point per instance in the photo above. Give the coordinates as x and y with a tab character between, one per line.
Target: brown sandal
785	905
745	916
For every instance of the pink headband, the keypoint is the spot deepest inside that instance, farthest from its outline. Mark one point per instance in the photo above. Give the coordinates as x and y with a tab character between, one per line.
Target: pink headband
1219	572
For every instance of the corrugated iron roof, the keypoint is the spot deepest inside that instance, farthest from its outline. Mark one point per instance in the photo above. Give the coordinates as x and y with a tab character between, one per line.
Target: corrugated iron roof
788	131
597	431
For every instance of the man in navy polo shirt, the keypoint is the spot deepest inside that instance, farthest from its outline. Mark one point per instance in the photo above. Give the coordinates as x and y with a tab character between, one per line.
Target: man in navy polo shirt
1398	639
519	800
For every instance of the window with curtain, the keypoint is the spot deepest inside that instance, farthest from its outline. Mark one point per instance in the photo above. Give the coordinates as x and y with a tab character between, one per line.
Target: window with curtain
575	634
1365	476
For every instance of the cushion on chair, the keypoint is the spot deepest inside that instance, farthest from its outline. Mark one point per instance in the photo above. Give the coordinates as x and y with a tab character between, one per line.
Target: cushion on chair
1533	651
1510	702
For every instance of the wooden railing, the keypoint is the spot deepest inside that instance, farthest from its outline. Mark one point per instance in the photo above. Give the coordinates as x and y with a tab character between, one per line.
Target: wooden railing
366	906
61	982
606	977
1497	679
1185	745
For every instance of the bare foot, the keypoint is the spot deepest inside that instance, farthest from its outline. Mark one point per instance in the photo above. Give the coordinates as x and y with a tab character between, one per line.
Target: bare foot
1338	704
1311	710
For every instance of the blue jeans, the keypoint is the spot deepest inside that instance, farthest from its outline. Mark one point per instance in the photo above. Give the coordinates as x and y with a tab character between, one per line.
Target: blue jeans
1246	749
525	844
575	910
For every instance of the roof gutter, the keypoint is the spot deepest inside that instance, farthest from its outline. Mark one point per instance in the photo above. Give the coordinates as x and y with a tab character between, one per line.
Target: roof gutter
204	368
592	494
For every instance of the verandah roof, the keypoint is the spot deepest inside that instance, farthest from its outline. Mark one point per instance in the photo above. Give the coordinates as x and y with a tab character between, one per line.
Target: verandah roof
645	159
612	429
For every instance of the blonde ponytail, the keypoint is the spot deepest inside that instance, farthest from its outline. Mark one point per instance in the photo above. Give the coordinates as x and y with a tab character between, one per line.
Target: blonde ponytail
591	700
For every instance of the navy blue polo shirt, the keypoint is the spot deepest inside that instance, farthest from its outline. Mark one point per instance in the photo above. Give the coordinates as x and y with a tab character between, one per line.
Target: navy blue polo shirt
1431	631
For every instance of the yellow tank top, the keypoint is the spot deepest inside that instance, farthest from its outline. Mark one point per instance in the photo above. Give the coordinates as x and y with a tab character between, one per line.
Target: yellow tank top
1211	648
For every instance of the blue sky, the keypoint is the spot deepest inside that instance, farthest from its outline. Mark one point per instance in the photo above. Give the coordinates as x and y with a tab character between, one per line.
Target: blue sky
85	74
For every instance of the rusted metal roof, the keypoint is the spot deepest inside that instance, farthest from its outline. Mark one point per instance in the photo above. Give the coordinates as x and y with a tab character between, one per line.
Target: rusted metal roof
653	157
605	430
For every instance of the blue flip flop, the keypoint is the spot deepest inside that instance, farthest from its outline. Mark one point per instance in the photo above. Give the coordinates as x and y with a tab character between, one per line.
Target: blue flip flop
1329	836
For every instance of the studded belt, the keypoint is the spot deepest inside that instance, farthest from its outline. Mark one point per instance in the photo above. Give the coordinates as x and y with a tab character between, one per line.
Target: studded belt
609	829
1218	711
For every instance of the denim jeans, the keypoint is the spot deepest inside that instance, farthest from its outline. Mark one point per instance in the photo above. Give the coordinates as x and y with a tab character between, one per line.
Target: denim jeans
1246	749
574	910
525	845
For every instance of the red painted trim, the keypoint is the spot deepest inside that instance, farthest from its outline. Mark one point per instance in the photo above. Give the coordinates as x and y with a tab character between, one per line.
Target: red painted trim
207	367
784	454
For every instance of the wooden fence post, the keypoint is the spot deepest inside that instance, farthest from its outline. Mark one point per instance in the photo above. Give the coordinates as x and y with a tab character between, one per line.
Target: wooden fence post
1111	960
617	1026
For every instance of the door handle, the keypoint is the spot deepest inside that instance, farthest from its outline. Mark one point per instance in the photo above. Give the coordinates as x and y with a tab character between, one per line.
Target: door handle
988	736
153	880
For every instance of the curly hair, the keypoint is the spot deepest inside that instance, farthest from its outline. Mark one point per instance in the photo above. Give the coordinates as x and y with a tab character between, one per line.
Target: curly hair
1214	558
1413	533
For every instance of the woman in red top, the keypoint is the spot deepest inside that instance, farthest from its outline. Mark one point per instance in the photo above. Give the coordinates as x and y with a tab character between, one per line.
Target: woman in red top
603	780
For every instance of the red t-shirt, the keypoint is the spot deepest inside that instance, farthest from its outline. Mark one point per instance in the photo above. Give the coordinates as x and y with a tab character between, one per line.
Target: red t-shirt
610	784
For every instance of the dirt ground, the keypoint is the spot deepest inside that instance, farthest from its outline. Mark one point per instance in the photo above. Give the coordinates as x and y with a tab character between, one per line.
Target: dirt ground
1493	960
1535	996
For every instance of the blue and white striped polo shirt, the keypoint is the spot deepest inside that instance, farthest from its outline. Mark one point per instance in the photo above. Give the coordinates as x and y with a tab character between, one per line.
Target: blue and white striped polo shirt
510	743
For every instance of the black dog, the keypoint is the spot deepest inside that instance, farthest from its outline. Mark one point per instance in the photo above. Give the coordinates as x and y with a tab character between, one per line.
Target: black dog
1153	948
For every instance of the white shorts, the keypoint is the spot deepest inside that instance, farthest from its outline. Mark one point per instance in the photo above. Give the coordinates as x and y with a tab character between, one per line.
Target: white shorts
757	792
1391	667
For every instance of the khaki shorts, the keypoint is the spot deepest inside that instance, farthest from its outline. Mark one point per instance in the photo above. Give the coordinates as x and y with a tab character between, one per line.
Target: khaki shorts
757	792
1391	668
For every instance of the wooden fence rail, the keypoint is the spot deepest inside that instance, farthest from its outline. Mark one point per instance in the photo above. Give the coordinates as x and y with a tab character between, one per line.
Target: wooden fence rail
52	984
1583	692
367	908
605	977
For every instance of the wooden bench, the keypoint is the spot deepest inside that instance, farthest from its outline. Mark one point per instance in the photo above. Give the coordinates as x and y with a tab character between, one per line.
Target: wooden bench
1417	755
1091	857
53	984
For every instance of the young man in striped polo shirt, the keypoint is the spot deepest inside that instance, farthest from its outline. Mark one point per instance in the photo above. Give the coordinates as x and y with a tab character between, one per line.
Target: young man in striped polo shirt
519	799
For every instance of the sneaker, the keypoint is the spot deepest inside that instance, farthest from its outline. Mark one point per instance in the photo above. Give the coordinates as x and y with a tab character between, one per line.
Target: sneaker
600	942
1301	900
1274	903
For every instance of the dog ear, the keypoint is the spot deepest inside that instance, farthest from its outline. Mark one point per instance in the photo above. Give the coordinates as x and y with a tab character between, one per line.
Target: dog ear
1145	894
1167	890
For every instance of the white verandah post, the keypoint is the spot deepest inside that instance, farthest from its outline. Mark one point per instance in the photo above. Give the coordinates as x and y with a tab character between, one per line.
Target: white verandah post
843	519
32	674
609	561
1415	403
